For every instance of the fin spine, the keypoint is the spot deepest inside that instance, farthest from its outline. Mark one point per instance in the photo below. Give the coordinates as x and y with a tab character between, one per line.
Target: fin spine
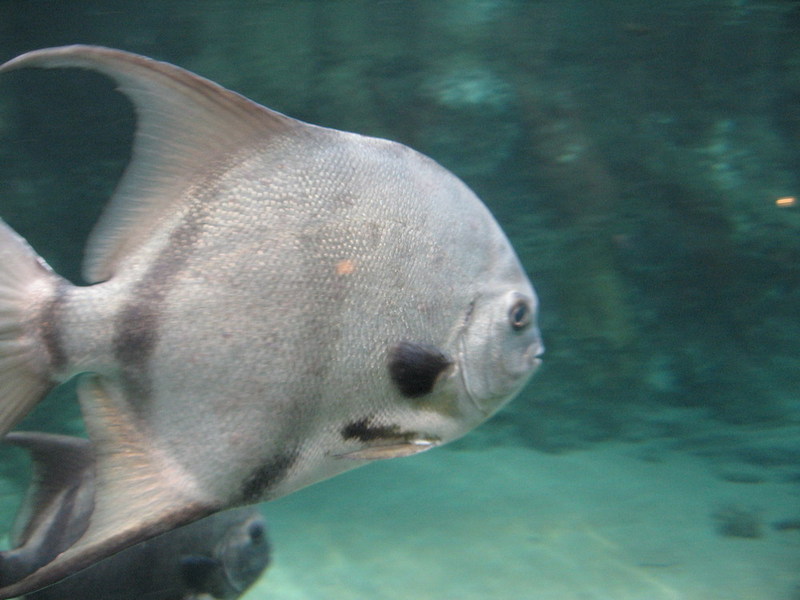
27	284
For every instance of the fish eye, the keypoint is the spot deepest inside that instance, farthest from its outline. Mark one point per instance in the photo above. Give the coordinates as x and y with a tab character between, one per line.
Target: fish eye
256	532
520	315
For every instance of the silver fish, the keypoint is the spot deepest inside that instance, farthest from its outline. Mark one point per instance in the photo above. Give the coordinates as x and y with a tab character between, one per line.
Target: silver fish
218	557
272	303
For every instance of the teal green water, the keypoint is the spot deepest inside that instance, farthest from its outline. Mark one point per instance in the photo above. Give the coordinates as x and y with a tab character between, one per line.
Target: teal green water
643	157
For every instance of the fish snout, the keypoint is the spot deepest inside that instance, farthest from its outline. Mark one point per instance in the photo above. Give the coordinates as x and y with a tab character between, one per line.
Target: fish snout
521	365
536	351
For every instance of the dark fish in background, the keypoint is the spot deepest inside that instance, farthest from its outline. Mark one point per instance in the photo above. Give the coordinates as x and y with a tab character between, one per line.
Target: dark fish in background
58	503
218	557
272	303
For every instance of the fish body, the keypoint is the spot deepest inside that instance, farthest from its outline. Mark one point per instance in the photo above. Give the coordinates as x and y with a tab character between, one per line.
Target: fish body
272	303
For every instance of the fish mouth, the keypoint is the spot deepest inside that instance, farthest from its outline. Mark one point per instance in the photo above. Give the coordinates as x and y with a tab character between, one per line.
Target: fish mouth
536	352
532	360
533	354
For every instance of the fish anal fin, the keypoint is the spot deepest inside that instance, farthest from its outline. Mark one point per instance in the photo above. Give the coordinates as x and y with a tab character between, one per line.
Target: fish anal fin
139	493
135	478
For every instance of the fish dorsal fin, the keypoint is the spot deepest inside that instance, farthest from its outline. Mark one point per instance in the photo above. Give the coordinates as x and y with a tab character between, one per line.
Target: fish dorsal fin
184	124
139	492
57	505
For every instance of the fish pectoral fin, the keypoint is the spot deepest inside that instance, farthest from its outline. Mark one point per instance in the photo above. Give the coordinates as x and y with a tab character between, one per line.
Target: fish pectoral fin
138	493
383	451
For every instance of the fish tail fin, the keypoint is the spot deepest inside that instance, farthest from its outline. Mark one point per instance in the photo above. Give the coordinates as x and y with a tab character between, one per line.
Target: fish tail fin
26	286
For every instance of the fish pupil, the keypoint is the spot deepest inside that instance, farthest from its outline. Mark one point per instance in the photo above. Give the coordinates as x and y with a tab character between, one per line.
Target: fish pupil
520	315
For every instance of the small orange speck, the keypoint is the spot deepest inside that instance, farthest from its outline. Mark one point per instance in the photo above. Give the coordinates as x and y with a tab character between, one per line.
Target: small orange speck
345	267
787	201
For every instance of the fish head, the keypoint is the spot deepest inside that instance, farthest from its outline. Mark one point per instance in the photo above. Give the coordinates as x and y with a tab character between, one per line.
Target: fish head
470	345
238	558
499	347
244	553
447	390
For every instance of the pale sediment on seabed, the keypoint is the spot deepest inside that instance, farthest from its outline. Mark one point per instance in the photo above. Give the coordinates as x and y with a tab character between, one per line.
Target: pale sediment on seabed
516	524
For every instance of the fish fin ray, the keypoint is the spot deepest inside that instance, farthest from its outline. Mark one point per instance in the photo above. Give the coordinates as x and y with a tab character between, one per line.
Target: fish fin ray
384	451
57	504
139	494
184	124
24	369
59	462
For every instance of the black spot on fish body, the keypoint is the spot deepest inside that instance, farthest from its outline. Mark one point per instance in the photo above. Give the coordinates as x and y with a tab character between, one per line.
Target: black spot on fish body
137	324
414	367
137	334
363	431
134	341
50	327
265	477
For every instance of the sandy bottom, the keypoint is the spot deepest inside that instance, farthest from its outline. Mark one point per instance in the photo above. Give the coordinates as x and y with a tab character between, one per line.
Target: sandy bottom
515	524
